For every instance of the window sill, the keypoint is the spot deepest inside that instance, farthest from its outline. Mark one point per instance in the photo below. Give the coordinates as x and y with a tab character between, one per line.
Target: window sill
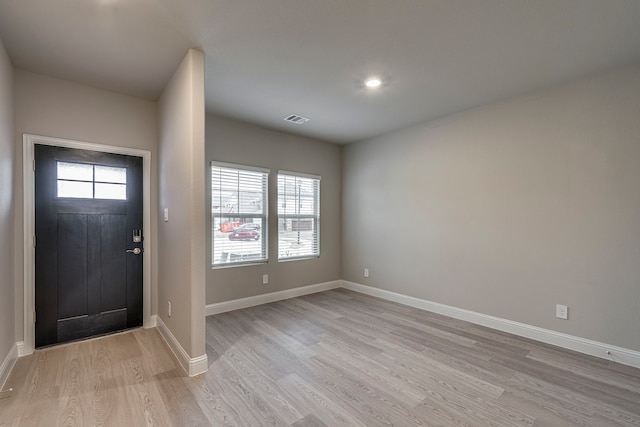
235	265
302	258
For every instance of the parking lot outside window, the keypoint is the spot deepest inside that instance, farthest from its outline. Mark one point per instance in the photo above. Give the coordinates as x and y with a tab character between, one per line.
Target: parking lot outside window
239	207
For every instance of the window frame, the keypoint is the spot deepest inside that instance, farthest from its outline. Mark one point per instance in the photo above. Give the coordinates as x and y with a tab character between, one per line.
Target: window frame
316	216
93	181
264	216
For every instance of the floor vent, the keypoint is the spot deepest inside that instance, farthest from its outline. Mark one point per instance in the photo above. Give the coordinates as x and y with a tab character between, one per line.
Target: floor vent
294	118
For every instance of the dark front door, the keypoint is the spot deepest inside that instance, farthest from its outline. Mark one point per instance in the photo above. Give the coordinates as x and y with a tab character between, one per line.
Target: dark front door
88	213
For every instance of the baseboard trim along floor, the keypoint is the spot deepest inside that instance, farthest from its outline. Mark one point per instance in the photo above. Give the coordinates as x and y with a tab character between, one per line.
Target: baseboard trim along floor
570	342
198	365
7	364
192	365
241	303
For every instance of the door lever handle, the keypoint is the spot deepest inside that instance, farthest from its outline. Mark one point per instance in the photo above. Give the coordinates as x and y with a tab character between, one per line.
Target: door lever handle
136	251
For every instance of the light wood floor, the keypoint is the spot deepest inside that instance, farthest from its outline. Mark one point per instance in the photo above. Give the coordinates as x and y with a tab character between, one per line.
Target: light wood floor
331	359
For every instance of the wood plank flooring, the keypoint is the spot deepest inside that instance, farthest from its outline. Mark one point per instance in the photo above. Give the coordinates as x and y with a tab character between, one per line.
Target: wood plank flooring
336	358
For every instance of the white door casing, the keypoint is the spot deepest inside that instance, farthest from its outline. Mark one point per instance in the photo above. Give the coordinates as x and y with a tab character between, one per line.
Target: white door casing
29	225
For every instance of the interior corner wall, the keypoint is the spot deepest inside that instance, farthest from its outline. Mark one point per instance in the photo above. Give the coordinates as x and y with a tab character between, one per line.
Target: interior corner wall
509	209
245	144
52	107
181	271
7	161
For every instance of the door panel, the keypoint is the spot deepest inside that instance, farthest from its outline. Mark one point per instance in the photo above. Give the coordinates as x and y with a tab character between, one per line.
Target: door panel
72	265
86	281
113	233
94	275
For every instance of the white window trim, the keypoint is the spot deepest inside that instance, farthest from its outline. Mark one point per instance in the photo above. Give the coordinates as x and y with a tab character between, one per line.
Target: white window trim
301	175
239	166
265	235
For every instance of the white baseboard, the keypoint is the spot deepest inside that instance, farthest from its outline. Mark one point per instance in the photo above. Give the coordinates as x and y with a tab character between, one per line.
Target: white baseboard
582	345
23	350
153	322
7	365
192	365
237	304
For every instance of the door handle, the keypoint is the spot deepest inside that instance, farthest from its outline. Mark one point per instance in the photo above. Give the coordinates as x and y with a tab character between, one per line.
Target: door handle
136	251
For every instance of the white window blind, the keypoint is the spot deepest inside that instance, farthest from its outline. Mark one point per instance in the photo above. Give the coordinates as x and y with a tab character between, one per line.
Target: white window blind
238	214
298	216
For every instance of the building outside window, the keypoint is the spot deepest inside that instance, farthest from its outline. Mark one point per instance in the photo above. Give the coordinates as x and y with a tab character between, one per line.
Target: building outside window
298	216
239	214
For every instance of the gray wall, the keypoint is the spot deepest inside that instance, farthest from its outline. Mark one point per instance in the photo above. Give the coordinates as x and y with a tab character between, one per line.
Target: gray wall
7	159
57	108
181	268
236	142
509	209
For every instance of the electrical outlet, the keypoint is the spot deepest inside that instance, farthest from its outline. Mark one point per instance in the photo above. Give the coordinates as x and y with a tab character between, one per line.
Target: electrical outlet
265	279
366	272
166	214
169	308
562	311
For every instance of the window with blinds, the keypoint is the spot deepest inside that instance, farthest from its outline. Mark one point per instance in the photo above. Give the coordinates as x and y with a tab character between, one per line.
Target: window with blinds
298	216
238	214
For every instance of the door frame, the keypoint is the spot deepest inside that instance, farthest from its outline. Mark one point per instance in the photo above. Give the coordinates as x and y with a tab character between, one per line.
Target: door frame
29	141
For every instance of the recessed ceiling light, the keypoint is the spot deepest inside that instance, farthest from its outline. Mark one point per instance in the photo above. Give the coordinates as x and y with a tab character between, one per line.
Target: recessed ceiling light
373	82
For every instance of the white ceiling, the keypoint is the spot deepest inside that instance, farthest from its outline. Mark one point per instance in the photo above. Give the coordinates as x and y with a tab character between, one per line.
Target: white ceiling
267	59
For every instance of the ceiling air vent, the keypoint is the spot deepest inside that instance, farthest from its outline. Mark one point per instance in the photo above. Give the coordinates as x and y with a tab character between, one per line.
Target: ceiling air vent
294	118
